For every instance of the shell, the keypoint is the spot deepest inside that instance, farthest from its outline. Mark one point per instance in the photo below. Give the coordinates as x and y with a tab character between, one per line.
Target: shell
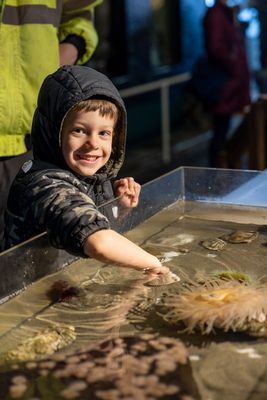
216	244
162	280
240	237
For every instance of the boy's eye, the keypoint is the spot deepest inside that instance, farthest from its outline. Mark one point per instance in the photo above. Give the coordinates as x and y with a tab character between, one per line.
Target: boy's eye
105	133
78	130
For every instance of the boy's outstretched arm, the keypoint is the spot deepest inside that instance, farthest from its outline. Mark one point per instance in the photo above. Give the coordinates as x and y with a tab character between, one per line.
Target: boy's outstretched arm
107	245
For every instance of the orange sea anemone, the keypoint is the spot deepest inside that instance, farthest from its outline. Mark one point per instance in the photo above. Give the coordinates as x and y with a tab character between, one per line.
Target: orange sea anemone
227	305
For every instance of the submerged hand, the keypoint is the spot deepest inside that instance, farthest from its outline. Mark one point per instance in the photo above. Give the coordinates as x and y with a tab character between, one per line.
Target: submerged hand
162	278
156	270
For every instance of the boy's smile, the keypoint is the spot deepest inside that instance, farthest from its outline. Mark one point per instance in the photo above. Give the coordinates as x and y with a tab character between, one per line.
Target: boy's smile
86	141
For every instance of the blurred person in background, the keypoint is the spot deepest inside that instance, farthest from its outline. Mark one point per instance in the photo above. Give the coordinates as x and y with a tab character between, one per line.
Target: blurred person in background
225	47
35	39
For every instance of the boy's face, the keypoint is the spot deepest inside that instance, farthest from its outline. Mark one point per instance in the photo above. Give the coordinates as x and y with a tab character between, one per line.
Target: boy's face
86	141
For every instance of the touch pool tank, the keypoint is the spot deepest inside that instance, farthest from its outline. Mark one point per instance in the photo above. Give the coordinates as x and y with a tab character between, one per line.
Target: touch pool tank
176	214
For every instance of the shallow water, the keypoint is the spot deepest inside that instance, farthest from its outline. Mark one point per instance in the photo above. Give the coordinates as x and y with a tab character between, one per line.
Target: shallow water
109	295
117	302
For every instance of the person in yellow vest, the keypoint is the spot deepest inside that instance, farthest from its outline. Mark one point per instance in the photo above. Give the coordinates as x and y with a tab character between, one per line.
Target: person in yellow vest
36	37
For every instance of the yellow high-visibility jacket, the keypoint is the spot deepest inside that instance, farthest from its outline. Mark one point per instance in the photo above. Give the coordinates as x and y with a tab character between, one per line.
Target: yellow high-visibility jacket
30	32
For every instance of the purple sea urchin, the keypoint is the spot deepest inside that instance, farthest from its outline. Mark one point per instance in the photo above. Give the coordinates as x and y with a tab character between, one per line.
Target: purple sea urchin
227	305
62	291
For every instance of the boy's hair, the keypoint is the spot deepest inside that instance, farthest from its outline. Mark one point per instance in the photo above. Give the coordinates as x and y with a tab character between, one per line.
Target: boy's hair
103	106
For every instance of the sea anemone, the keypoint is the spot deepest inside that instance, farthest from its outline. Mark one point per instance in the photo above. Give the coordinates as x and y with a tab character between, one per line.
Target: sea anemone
233	275
228	305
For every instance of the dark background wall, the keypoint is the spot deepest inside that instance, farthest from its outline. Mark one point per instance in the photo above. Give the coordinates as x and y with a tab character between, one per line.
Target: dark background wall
142	40
145	40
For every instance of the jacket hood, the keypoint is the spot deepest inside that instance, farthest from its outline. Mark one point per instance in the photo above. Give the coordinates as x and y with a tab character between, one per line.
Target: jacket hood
60	91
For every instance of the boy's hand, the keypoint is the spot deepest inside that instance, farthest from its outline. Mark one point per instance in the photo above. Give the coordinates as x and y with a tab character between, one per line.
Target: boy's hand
128	190
156	271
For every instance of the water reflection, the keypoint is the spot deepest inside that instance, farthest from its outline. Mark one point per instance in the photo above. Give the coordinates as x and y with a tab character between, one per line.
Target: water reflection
112	303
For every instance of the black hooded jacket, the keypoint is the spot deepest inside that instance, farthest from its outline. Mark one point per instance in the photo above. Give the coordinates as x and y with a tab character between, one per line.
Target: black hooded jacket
46	195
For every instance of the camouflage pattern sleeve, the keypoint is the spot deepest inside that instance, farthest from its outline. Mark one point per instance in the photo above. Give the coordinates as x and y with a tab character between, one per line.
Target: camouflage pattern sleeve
61	205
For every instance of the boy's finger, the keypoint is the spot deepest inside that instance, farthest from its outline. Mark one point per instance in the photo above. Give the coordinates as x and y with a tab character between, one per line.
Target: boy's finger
130	182
137	188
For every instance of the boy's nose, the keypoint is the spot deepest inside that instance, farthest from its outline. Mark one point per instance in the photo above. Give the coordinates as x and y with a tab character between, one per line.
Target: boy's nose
92	141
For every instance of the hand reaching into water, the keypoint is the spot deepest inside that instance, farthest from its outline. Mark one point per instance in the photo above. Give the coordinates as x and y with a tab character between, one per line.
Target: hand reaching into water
157	271
106	245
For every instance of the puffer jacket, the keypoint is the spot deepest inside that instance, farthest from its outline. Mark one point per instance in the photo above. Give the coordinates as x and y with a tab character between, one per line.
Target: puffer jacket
46	195
30	32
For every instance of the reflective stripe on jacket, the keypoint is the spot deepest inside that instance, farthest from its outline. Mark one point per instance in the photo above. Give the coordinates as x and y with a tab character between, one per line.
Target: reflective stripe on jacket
30	32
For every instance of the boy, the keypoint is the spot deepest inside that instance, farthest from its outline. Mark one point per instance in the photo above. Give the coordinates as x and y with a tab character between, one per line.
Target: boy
78	138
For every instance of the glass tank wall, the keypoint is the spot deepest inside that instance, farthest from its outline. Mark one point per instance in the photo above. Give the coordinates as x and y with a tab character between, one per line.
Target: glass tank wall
210	193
